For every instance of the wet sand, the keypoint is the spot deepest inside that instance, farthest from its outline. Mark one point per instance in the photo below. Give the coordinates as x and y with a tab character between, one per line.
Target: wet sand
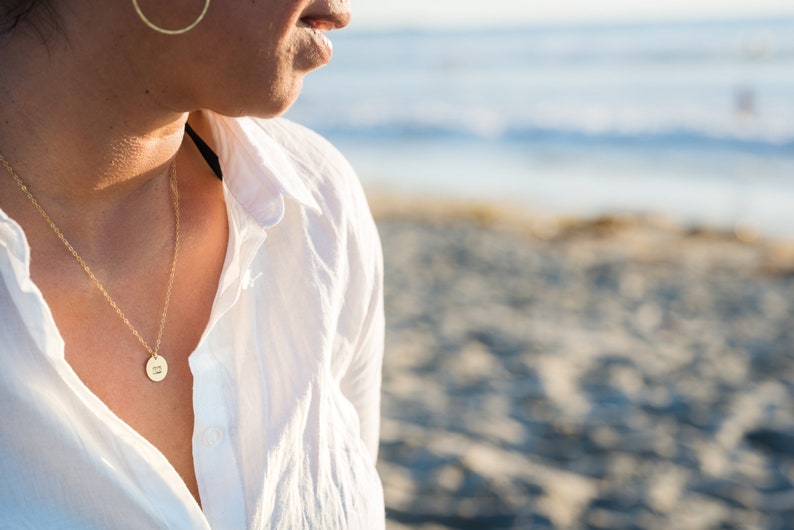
600	374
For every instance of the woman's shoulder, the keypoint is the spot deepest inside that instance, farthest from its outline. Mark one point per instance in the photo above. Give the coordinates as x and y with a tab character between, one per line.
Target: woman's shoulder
321	167
307	148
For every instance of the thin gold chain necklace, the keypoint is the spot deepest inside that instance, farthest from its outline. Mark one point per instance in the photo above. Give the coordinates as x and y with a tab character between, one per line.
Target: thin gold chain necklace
156	366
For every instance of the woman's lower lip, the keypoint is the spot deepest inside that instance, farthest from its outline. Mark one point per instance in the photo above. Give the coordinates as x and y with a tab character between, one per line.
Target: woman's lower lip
323	44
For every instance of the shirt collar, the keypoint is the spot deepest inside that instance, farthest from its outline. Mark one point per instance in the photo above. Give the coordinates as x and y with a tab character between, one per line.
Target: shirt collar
257	169
13	238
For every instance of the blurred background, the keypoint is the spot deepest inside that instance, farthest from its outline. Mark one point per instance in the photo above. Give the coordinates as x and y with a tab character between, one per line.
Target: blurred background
587	211
683	108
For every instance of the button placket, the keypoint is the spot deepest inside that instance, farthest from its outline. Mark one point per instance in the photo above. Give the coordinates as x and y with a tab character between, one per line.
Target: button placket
216	469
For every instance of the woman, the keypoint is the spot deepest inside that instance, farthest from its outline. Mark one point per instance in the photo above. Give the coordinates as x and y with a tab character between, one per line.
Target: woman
180	350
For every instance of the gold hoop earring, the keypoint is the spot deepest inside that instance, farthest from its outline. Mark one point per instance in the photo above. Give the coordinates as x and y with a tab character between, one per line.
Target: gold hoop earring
170	31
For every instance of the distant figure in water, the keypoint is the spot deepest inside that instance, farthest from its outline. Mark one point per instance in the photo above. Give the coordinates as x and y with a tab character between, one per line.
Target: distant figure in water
744	101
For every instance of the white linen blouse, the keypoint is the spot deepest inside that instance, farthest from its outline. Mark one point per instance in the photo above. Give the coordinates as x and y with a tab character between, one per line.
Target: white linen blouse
286	375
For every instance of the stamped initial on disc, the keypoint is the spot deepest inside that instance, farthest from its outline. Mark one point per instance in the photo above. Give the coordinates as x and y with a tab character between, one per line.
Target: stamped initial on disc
157	368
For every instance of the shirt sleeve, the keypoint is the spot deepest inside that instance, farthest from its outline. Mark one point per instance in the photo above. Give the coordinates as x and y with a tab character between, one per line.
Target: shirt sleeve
340	196
361	382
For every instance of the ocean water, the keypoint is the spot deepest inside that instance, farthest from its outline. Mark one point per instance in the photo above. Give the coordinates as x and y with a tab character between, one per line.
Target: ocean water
690	120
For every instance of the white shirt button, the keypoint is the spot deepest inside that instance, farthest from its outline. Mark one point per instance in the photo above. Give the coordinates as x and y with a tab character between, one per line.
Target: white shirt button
212	437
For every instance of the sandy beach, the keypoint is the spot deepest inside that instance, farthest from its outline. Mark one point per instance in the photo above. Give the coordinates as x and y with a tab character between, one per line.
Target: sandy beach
599	374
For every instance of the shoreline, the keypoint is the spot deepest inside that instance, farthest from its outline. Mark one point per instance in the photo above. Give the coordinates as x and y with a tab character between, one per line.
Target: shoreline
637	231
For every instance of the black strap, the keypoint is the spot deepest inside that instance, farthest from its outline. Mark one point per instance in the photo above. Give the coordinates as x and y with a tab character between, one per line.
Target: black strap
209	155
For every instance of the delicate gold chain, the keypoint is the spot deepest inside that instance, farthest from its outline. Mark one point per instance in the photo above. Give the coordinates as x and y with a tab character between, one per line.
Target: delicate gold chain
175	201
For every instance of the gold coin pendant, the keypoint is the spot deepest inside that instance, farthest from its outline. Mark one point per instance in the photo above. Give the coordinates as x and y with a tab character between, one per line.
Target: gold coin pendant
157	368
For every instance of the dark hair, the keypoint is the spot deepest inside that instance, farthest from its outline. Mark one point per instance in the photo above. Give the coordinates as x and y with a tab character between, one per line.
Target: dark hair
40	14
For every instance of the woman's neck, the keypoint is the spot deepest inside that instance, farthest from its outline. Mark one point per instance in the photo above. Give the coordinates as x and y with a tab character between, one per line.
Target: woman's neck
92	144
